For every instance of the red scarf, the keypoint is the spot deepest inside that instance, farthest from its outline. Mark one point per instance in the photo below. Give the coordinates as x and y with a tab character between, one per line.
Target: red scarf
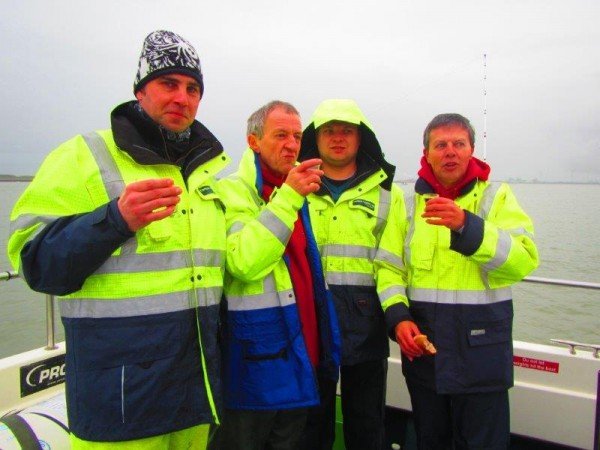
476	169
300	271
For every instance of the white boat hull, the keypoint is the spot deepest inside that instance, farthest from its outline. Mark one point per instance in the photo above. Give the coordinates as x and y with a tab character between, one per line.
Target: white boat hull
554	399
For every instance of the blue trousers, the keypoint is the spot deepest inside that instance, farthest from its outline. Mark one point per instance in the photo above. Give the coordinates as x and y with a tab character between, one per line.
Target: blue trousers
460	421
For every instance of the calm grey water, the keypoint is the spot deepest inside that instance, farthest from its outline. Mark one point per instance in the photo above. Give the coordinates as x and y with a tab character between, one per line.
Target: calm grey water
566	225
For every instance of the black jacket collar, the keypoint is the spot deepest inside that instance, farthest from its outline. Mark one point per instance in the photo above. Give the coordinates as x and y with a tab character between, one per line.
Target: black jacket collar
145	143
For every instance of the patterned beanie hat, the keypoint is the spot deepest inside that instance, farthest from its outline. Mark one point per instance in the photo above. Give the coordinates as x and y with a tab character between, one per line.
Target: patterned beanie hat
165	52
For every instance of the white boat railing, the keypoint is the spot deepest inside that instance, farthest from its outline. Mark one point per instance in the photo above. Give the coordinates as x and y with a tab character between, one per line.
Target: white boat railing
50	323
567	283
51	326
573	345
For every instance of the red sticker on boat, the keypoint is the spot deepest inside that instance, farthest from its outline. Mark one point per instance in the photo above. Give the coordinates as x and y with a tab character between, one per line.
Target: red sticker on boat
536	364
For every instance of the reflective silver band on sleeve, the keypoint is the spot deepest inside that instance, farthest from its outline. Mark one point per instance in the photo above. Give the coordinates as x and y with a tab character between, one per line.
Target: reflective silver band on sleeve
390	292
502	250
275	225
25	221
520	232
270	298
384	255
235	227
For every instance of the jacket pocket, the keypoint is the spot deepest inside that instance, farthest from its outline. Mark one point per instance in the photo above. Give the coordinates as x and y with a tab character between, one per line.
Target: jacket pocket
364	326
421	255
268	374
112	346
128	375
488	361
265	352
492	332
160	230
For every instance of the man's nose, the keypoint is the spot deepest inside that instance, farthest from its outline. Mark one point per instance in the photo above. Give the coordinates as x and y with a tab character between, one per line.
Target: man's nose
292	143
181	96
450	150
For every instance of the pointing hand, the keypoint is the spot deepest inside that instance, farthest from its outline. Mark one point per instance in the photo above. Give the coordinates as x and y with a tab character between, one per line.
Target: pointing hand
305	177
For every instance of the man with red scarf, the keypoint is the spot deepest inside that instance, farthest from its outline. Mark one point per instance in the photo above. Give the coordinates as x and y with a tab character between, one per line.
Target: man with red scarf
281	328
468	241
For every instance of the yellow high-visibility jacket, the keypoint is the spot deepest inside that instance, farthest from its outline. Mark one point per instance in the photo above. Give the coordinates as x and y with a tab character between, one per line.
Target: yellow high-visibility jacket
141	331
459	288
360	239
266	363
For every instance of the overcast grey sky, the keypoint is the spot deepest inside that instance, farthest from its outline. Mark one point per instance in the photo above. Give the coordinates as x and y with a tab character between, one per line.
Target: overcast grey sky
66	64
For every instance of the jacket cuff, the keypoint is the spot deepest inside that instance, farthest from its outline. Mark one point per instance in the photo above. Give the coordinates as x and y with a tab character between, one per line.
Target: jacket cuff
394	315
115	219
287	194
469	240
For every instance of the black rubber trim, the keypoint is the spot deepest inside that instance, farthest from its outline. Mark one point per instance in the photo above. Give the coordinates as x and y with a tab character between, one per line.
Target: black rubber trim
22	431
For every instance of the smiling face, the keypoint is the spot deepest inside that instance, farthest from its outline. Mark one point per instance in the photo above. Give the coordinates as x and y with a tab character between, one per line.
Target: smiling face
171	100
279	144
338	143
448	153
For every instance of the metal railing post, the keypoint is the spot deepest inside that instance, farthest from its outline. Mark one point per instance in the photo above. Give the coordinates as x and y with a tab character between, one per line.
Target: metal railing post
50	327
50	324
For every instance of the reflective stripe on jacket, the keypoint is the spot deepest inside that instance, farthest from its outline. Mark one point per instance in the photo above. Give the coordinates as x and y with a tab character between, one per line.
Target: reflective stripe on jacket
266	361
142	355
460	289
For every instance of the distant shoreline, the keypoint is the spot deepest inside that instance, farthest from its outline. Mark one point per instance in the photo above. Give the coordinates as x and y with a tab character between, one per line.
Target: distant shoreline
16	178
519	182
27	178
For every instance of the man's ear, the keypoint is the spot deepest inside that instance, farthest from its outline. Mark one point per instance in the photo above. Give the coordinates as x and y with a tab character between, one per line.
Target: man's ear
139	94
253	143
426	154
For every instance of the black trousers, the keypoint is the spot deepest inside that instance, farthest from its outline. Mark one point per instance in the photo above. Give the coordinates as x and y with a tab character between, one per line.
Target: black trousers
460	421
362	388
259	430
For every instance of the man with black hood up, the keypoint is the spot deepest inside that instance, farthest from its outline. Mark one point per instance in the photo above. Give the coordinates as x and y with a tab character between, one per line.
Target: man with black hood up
357	216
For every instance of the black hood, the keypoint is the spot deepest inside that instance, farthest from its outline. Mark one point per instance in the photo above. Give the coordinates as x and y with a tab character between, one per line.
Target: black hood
369	152
143	139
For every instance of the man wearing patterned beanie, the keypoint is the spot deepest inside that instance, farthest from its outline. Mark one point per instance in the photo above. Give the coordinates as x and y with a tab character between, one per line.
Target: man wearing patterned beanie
126	226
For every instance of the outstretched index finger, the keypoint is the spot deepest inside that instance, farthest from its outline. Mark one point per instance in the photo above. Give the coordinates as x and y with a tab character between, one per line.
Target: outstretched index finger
308	164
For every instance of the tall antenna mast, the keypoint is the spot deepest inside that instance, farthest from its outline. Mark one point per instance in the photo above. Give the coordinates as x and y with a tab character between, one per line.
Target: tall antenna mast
484	107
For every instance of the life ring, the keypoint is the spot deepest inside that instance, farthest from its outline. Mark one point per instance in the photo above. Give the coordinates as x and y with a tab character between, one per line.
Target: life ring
40	427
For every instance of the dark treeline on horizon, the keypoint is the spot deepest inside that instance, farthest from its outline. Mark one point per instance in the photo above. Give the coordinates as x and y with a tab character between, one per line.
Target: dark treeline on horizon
7	177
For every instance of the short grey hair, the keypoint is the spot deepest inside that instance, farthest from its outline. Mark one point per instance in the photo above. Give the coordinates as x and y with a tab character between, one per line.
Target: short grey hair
256	121
449	119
